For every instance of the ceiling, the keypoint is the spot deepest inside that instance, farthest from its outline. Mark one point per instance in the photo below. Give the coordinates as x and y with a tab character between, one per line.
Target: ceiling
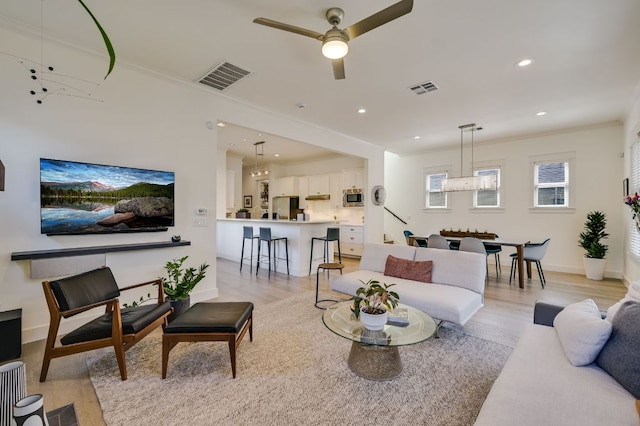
585	70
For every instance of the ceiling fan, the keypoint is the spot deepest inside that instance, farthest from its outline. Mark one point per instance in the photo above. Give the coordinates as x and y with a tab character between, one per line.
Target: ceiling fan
335	41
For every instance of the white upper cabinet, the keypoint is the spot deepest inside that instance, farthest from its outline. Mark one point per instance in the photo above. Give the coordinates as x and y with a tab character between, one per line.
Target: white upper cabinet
319	185
287	185
353	179
335	180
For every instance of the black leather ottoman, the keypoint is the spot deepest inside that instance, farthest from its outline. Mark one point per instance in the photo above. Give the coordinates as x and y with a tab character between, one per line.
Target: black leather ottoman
209	322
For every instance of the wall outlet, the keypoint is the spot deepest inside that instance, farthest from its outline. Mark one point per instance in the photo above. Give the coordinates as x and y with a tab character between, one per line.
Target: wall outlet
200	222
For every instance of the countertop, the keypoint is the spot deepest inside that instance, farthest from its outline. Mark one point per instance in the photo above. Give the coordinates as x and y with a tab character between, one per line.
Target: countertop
278	221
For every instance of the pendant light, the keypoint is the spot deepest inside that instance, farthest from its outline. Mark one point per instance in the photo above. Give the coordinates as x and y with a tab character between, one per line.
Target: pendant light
259	169
468	183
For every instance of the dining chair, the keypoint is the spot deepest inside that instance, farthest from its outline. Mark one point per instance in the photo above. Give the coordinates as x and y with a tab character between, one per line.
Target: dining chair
408	234
495	250
418	242
437	241
474	245
532	252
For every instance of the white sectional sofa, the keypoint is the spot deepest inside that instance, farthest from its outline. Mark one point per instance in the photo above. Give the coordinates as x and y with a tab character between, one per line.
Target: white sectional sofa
539	386
456	291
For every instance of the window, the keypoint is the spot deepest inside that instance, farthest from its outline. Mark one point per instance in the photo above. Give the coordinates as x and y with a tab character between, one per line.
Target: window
434	197
490	197
551	184
634	185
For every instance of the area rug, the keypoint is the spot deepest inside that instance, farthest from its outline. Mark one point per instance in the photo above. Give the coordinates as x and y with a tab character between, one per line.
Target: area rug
295	373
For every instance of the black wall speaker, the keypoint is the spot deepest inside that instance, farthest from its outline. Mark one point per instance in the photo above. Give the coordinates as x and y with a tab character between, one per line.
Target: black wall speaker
1	176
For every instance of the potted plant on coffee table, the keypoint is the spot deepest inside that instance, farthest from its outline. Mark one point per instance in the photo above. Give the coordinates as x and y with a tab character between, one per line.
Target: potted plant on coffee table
594	232
179	283
371	303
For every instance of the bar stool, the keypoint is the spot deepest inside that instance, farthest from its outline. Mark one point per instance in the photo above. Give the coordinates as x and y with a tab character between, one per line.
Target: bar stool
265	235
247	234
333	234
328	267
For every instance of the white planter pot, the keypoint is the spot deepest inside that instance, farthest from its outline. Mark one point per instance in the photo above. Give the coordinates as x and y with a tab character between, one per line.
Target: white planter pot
594	268
373	322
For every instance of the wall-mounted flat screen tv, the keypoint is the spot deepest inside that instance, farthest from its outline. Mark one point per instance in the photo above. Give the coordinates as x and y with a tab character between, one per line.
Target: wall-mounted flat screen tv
85	198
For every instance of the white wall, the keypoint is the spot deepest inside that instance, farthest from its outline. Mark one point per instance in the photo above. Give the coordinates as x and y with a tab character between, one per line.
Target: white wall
143	120
599	174
631	129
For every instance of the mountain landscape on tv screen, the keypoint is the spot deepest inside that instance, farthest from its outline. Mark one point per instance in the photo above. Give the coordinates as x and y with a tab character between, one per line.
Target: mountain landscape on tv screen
110	199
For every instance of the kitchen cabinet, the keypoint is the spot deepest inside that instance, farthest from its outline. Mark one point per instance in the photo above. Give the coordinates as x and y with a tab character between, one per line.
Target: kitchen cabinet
353	179
287	185
303	191
319	185
352	240
335	186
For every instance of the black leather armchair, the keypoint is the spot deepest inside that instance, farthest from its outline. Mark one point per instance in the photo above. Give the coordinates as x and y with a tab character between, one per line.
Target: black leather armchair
118	327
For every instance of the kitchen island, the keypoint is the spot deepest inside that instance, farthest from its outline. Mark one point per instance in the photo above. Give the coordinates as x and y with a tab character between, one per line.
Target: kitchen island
229	241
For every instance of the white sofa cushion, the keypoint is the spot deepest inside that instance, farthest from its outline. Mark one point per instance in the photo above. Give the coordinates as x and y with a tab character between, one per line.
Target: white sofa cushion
538	386
582	332
457	268
443	302
374	255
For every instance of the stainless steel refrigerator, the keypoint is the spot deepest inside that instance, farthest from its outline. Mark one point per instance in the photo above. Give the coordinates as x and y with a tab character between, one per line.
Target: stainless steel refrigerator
285	208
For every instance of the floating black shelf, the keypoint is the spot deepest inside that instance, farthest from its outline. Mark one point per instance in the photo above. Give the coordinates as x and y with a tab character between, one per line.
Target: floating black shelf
84	251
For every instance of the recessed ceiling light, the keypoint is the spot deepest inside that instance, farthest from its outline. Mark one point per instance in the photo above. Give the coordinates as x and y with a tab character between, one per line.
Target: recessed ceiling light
232	144
524	62
362	111
541	113
416	137
221	124
259	134
276	155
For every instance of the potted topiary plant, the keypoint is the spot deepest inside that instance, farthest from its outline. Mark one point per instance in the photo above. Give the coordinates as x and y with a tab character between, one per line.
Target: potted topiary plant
243	214
371	303
180	282
594	232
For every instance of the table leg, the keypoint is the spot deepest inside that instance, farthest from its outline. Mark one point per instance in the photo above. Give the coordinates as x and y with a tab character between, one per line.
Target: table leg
375	362
520	252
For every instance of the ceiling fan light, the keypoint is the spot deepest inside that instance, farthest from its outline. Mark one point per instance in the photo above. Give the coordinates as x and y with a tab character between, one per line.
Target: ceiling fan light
335	47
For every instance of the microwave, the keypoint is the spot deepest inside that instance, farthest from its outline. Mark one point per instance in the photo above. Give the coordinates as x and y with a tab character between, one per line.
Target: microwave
353	198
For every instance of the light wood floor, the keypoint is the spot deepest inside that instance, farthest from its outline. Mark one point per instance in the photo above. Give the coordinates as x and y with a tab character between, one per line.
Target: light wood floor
507	310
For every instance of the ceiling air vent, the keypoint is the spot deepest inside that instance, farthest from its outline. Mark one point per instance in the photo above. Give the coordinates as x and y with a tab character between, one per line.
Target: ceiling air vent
223	76
422	88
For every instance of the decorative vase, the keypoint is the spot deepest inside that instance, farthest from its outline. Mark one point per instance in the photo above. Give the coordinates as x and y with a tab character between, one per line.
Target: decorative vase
29	411
13	387
594	268
179	307
373	322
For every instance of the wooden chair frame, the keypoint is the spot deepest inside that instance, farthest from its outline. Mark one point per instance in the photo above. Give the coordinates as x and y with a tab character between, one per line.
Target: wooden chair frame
120	342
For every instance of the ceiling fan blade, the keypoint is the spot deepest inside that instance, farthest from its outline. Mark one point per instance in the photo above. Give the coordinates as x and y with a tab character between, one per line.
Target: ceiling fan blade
377	19
338	68
290	28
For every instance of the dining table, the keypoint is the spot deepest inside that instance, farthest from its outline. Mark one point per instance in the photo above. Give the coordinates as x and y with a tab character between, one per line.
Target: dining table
518	243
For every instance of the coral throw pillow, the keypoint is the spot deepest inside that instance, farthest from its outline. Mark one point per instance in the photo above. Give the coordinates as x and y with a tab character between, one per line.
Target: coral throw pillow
408	269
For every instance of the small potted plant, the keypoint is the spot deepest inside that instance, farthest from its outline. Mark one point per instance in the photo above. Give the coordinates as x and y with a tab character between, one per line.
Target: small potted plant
371	303
243	214
180	282
594	232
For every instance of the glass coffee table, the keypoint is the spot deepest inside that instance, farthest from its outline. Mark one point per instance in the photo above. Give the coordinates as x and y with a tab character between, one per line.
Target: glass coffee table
374	355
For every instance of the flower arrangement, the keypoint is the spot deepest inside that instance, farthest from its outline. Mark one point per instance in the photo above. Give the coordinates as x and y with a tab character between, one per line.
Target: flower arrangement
633	201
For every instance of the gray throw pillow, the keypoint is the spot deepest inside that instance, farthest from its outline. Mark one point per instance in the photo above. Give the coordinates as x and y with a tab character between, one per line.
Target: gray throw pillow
620	357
